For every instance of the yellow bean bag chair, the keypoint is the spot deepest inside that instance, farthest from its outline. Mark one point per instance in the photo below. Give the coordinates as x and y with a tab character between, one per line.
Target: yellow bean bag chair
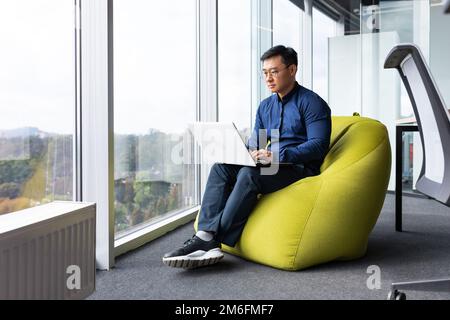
325	217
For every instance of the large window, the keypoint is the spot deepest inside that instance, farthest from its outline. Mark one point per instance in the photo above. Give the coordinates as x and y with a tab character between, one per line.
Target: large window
235	63
37	102
154	101
287	28
323	28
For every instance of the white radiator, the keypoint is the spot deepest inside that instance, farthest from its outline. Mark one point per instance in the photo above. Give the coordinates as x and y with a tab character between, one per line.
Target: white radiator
48	252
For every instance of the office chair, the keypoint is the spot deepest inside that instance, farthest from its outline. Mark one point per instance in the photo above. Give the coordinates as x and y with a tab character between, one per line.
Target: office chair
433	121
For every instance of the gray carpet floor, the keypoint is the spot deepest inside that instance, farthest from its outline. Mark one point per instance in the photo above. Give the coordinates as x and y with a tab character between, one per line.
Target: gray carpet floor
422	251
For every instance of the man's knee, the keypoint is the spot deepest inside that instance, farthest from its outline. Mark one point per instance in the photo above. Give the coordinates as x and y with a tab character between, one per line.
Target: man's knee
218	168
248	175
221	170
248	172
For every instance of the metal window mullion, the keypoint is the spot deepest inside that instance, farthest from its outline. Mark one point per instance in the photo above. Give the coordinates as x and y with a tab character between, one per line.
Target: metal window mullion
207	70
76	156
196	154
97	122
307	56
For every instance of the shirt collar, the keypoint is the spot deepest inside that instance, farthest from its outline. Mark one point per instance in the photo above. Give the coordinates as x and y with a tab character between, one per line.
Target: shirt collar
287	97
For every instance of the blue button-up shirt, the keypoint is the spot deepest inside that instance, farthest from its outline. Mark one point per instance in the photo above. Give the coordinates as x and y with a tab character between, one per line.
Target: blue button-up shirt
304	123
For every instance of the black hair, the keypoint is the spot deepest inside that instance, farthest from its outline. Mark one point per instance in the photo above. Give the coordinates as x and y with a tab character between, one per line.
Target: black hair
288	55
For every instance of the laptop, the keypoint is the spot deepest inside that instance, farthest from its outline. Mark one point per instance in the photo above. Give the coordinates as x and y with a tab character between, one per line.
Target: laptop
221	142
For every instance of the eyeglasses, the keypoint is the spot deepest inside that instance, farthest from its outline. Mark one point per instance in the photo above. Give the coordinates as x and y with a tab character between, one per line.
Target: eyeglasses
273	73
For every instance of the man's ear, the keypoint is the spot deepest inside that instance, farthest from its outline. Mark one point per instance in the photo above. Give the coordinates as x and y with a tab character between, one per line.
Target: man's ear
293	69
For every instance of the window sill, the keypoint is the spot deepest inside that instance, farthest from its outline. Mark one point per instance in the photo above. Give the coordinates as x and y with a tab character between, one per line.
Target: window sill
153	231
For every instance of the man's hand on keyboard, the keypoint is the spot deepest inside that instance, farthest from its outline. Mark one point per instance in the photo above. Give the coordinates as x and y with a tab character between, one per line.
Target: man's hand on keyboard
262	155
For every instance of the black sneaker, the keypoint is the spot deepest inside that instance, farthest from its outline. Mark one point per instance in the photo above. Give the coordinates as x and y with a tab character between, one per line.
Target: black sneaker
195	252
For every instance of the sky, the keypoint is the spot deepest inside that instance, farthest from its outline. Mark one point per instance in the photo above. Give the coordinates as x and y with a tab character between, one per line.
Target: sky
155	65
235	63
37	64
154	81
154	62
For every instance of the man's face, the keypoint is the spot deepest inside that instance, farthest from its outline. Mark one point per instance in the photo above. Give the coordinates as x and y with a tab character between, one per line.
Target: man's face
278	76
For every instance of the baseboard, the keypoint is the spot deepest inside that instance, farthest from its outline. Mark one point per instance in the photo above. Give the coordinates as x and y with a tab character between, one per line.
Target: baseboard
413	194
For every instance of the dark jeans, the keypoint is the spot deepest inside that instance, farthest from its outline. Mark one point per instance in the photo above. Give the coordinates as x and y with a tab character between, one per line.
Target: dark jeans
231	194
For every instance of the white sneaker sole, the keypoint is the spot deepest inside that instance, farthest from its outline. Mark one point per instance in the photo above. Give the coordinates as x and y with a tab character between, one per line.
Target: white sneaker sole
195	259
